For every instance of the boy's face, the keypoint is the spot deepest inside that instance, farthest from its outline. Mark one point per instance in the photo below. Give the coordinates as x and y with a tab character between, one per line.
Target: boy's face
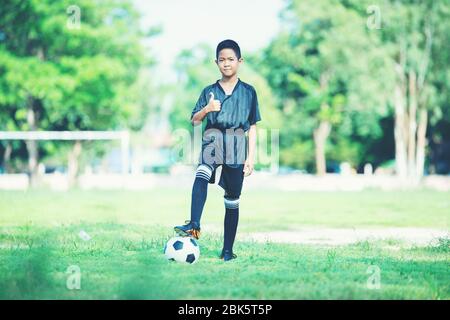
228	63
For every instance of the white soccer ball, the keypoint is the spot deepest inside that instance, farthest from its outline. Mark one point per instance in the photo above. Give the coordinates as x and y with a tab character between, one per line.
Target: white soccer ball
182	249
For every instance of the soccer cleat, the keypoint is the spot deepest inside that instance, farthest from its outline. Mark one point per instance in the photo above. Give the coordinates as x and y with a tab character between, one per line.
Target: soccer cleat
190	229
227	255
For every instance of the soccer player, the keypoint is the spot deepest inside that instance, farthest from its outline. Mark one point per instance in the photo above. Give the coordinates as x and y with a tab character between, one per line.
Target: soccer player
231	109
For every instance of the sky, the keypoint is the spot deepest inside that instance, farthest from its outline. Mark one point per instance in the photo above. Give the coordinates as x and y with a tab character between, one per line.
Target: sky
185	23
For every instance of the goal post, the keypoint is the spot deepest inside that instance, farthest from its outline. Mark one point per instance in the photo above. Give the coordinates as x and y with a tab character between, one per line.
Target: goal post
122	136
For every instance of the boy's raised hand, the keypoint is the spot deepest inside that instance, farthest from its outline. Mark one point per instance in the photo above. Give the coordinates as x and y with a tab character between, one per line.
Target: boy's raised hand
213	105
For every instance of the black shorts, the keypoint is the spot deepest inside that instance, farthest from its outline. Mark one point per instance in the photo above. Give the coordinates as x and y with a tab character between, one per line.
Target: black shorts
231	178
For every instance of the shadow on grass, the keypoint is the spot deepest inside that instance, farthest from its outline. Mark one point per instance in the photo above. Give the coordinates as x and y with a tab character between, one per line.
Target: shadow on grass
26	270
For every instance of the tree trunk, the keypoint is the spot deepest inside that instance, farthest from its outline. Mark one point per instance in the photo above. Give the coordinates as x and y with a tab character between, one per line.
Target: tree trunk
320	137
422	101
73	163
410	137
32	146
7	156
32	121
399	133
421	142
412	124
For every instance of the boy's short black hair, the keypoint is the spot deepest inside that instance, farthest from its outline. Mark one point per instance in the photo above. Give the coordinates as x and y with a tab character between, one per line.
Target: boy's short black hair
228	44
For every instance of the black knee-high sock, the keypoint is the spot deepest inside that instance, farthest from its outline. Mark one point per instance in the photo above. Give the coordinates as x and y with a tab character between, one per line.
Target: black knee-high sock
199	193
230	228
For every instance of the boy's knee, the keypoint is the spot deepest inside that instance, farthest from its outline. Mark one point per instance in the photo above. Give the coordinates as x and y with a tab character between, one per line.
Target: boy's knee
231	202
203	172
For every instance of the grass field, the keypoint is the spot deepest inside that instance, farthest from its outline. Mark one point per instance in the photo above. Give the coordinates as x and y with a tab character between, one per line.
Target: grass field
124	260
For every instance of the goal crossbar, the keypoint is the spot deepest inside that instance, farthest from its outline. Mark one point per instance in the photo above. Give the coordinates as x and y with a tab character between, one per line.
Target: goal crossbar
123	136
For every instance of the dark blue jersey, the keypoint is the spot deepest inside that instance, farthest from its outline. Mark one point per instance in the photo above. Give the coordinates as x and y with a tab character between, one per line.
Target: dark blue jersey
238	112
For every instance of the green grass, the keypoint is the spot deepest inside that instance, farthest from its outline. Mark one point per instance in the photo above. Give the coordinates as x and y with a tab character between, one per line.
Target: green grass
123	260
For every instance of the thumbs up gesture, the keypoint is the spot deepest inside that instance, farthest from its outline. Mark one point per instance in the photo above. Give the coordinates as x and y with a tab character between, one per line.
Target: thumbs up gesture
213	105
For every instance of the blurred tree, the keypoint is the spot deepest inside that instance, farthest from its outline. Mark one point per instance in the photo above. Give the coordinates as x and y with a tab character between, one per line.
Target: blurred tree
417	32
415	35
195	69
70	67
325	67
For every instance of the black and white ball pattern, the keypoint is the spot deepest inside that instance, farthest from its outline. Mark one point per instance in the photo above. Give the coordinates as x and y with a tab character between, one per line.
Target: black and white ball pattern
182	249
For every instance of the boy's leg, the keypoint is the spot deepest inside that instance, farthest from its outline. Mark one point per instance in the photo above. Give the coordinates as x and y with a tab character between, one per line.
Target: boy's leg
200	191
230	223
198	199
231	180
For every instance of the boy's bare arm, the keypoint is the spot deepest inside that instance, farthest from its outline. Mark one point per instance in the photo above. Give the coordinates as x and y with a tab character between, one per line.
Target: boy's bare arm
249	163
213	105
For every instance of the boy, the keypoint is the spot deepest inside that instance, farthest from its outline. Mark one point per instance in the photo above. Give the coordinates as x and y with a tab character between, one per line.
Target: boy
231	109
